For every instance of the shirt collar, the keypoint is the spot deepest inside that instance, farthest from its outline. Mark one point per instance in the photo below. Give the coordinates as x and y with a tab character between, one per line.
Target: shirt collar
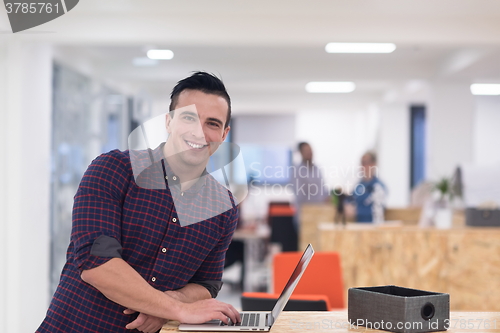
171	177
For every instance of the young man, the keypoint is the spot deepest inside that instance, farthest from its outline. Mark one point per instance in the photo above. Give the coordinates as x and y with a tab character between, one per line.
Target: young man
149	232
307	181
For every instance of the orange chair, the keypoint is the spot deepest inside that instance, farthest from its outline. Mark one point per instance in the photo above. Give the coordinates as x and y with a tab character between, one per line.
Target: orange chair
323	278
280	210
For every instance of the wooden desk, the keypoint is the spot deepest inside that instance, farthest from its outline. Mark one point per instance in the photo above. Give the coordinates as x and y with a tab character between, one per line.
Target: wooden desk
463	262
408	216
336	321
310	217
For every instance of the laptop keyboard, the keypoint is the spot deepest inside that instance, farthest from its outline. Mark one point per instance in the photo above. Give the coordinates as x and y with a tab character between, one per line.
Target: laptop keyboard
247	319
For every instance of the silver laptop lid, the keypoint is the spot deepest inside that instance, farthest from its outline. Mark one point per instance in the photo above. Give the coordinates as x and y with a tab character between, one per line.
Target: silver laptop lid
292	282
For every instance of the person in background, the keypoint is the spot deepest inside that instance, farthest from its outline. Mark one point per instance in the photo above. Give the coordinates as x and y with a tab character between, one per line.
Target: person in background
307	182
370	193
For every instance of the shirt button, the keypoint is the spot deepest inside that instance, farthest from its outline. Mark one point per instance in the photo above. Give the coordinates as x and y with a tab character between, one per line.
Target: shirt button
174	178
182	193
164	250
174	220
153	279
166	177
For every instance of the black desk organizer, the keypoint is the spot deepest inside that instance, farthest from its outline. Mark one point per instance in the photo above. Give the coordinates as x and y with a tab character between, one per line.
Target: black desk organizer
475	217
398	309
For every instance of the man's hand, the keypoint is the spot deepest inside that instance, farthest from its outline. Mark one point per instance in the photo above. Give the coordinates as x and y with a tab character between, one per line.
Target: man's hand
145	323
206	310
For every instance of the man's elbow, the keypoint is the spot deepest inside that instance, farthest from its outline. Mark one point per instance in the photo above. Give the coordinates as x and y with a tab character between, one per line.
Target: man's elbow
89	276
103	275
86	276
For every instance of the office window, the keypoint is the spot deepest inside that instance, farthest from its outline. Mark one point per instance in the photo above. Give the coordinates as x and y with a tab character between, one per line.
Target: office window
266	145
417	145
87	120
265	165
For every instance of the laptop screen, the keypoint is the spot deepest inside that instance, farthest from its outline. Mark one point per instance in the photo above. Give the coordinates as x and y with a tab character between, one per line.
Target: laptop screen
293	281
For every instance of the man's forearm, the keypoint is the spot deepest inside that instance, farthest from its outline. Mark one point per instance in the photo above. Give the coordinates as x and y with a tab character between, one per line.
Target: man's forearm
192	292
119	282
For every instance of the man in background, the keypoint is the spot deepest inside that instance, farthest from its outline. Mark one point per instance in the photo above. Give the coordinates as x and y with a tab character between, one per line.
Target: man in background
308	183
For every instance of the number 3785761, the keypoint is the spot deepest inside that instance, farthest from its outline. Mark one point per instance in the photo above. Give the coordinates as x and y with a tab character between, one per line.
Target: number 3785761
31	8
470	324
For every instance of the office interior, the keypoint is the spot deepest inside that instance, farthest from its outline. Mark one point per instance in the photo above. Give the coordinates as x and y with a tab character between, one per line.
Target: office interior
77	86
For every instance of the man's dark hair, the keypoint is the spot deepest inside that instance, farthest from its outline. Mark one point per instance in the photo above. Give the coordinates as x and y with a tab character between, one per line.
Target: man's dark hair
204	82
301	144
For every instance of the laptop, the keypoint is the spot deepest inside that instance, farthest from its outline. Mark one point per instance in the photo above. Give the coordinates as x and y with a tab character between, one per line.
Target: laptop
260	320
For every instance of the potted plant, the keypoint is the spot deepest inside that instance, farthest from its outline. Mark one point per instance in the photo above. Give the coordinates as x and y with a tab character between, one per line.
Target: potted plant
443	214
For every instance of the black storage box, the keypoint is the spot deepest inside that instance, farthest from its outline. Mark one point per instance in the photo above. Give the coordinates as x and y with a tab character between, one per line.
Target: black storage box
476	217
398	309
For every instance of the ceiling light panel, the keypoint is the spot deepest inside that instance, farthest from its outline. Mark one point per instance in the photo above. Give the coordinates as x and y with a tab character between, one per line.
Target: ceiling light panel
330	87
491	89
360	47
160	54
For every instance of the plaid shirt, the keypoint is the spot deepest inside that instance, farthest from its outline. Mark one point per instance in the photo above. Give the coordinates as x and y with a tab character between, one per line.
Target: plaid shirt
144	222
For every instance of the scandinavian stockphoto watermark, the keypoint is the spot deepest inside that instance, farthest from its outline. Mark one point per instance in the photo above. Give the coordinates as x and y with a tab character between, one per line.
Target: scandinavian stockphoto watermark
26	14
305	181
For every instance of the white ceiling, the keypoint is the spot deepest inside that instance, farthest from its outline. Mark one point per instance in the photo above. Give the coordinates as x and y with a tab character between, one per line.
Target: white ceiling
266	51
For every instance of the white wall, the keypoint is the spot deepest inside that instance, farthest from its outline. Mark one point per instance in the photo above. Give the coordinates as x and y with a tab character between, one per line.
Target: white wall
394	152
451	125
265	129
25	120
487	131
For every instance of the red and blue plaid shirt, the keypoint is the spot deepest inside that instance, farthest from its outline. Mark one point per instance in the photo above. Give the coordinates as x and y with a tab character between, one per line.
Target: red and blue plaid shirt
145	224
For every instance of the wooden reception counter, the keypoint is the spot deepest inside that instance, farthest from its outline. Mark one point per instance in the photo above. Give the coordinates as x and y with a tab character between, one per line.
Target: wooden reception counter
314	214
336	321
464	262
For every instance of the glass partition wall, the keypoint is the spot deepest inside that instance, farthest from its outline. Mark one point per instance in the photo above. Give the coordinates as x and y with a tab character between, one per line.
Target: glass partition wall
88	119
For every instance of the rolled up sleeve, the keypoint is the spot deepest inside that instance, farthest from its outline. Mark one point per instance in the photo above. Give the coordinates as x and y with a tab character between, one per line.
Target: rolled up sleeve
213	287
96	231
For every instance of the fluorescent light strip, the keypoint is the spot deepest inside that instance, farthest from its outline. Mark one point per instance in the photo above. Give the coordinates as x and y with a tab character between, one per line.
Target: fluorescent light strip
160	54
360	47
330	87
491	89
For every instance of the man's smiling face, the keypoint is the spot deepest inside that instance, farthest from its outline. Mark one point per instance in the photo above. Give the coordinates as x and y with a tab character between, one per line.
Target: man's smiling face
196	129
